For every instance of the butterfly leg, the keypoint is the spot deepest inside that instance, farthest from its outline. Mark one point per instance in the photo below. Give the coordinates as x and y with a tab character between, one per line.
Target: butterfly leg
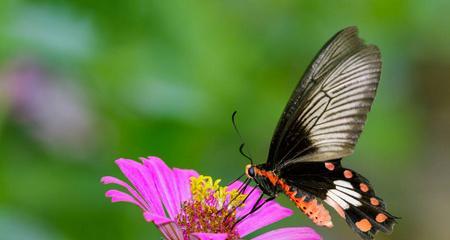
241	189
255	208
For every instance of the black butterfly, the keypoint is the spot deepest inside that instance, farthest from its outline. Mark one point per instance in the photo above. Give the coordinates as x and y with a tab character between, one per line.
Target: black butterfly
319	126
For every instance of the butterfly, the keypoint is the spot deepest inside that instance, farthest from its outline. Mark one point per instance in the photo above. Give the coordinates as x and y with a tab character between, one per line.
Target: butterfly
320	125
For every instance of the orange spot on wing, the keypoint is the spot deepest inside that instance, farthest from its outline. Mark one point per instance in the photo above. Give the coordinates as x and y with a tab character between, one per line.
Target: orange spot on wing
363	187
364	225
374	201
348	174
329	166
381	217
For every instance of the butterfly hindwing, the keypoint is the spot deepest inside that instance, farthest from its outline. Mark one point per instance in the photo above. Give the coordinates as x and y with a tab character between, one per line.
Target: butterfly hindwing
348	192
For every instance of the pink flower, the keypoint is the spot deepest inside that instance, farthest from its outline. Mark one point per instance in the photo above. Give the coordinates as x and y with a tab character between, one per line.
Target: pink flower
186	206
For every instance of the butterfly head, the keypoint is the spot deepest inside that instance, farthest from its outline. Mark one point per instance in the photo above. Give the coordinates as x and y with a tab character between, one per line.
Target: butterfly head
263	178
250	171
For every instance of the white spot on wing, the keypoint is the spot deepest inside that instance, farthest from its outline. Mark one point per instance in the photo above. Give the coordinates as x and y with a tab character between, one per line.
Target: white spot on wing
338	200
346	197
349	192
343	183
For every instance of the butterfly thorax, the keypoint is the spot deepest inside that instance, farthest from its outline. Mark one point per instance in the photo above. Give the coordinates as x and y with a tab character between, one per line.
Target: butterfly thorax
271	184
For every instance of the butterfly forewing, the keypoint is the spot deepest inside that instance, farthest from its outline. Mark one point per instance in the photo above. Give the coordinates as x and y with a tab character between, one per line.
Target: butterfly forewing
327	111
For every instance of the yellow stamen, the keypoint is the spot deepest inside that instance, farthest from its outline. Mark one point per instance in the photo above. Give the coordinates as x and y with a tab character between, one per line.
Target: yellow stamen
203	186
212	208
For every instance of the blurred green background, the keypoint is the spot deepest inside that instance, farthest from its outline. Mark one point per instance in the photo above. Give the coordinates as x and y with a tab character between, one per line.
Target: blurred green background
83	83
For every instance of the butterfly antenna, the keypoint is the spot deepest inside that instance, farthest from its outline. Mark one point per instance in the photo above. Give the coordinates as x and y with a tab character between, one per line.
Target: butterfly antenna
241	148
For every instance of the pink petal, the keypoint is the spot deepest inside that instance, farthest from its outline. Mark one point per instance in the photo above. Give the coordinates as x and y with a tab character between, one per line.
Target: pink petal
112	180
157	219
294	233
208	236
118	196
182	177
164	179
270	213
138	175
170	230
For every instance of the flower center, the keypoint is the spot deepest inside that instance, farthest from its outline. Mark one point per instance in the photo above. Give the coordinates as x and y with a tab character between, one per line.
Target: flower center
212	208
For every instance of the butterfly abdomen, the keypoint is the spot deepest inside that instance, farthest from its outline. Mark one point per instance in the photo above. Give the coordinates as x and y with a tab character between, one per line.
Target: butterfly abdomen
309	205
